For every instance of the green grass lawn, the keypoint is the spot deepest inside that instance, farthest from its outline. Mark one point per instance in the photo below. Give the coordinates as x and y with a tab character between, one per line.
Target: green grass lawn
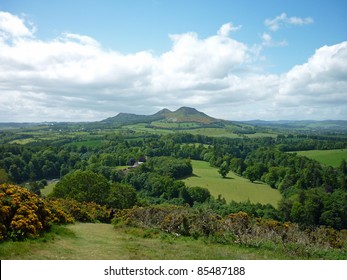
327	157
233	187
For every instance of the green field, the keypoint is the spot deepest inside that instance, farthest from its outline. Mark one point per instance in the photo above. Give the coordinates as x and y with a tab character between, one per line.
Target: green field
171	125
233	187
190	127
327	157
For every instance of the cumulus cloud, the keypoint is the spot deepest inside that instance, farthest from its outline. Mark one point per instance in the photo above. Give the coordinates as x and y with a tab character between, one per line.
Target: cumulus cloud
322	81
72	78
13	26
283	20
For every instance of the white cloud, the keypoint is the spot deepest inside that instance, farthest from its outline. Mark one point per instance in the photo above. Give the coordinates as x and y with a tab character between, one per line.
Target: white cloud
283	20
269	42
73	78
227	28
13	26
320	84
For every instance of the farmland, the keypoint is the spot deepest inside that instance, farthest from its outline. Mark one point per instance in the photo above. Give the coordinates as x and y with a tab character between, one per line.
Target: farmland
233	187
327	157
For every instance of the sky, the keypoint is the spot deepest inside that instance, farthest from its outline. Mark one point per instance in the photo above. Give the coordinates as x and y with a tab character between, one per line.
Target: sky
86	60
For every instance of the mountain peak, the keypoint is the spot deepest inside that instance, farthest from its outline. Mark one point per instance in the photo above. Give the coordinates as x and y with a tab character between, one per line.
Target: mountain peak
187	111
163	112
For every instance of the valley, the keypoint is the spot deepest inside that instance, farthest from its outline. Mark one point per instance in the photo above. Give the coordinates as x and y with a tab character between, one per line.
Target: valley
253	185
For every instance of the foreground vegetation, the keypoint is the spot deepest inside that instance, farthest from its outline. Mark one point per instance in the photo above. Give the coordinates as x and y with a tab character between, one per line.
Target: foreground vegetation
85	241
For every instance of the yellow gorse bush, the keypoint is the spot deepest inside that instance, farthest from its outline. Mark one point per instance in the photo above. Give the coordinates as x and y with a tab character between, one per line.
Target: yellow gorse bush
24	214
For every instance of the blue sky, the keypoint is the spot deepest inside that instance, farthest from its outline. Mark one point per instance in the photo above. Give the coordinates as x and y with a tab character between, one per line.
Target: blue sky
236	60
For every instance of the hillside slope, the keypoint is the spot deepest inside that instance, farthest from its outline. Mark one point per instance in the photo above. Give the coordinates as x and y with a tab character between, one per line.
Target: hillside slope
85	241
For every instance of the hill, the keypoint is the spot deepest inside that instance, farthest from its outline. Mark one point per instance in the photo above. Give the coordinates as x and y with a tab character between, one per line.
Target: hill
181	115
302	125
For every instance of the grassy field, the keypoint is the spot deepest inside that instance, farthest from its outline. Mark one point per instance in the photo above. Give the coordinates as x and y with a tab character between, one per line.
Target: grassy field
103	242
233	187
162	124
166	128
327	157
49	188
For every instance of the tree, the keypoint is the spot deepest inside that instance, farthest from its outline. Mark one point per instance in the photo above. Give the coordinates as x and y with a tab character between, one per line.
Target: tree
237	165
343	167
199	194
83	186
224	169
252	173
122	196
3	176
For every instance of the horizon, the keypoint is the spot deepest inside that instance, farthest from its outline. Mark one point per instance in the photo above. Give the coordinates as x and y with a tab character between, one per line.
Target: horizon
84	61
172	111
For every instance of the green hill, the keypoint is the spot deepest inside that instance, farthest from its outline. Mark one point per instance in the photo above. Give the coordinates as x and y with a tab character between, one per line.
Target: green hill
181	115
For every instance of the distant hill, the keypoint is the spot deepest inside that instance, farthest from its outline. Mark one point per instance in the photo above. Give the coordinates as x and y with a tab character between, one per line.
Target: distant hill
181	115
303	125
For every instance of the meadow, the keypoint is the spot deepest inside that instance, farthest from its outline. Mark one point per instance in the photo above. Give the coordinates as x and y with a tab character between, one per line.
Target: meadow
233	187
327	157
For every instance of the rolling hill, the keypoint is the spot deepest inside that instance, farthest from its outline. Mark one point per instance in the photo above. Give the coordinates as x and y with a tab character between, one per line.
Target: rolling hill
181	115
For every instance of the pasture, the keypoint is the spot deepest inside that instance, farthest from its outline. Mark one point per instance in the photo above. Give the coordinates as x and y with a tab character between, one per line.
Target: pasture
327	157
233	187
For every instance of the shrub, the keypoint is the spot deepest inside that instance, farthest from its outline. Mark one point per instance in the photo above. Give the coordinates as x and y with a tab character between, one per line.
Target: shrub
79	211
22	213
237	227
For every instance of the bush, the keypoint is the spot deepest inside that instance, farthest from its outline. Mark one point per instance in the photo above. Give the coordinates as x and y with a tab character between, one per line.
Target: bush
22	213
72	210
237	227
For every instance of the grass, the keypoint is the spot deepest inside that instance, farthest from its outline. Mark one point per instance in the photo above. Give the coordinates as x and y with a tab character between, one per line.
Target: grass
327	157
162	124
141	127
233	187
86	241
49	188
166	128
104	242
